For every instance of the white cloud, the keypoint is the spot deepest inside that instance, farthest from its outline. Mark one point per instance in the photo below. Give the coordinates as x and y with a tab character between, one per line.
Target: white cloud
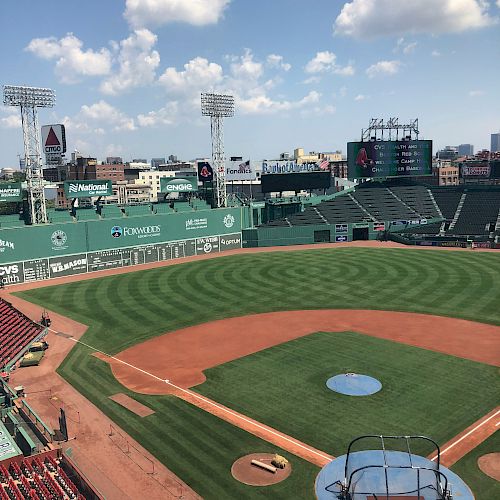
372	18
325	62
383	68
140	13
244	67
436	53
262	104
71	61
164	116
92	119
361	97
409	48
276	61
498	4
13	118
137	63
476	93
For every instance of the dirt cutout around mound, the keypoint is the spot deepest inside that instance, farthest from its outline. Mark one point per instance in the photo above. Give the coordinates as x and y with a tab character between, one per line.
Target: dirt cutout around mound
183	355
490	465
244	471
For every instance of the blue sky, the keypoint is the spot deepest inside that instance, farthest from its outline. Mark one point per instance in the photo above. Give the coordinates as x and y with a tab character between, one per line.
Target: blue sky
305	73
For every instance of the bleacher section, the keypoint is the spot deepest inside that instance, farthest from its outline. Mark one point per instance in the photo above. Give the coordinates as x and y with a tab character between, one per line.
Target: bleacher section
111	212
480	209
17	331
382	205
83	214
14	220
418	198
134	210
447	201
37	478
57	216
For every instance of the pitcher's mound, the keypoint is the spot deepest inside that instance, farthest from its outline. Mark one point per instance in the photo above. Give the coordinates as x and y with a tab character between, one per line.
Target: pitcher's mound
246	473
490	465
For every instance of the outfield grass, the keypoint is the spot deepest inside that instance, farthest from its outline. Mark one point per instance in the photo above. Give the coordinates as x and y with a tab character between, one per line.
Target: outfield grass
424	392
126	309
483	486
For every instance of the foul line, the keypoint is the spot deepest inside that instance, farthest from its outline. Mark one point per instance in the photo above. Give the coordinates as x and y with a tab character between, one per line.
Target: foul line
207	401
469	433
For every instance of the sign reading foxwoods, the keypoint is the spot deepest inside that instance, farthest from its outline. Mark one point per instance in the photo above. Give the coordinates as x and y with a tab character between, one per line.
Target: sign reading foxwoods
11	191
178	185
82	189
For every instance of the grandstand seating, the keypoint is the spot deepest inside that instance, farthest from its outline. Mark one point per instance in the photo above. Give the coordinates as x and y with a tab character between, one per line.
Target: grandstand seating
418	198
480	209
111	211
17	331
37	477
448	201
382	205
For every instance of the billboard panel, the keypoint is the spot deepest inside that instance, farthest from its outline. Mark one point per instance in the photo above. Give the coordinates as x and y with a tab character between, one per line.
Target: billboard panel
179	185
295	182
11	191
83	189
54	139
289	166
389	158
205	171
476	171
240	171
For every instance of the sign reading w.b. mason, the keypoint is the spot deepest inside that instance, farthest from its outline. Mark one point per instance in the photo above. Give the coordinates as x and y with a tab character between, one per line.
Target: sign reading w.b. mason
82	189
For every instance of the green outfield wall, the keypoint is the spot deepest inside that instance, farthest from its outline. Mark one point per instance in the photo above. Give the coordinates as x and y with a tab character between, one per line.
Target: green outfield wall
34	253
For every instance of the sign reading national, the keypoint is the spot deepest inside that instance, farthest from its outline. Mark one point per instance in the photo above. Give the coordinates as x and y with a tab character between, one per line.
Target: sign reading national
82	189
178	185
11	191
389	158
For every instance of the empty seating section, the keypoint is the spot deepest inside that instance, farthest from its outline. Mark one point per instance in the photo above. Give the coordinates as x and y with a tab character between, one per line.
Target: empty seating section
162	208
86	214
341	210
13	220
56	216
382	205
418	198
16	332
133	210
111	211
480	209
447	201
37	478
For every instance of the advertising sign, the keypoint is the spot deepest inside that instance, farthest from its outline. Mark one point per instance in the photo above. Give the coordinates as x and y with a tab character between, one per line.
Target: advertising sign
82	189
341	237
341	228
379	226
389	158
240	171
11	191
295	182
205	171
476	171
288	167
179	185
54	139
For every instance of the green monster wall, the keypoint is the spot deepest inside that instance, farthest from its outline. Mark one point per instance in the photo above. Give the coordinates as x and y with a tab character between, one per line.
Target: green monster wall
41	252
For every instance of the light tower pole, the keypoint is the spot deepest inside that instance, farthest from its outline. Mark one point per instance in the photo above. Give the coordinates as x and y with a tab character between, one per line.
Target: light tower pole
218	106
29	99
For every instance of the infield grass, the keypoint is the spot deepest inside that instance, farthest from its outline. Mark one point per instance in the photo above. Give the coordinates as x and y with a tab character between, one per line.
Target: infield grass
127	309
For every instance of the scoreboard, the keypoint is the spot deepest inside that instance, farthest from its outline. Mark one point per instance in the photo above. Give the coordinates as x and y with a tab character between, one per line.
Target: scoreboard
389	159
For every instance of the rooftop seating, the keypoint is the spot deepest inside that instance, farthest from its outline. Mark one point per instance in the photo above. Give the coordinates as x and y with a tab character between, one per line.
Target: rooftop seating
17	331
56	216
133	210
13	220
111	211
83	214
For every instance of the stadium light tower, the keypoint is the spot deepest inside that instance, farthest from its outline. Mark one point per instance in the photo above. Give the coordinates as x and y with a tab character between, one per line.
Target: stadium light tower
29	99
218	107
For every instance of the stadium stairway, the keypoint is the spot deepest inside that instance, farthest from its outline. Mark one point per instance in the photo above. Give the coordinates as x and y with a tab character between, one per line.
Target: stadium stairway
457	212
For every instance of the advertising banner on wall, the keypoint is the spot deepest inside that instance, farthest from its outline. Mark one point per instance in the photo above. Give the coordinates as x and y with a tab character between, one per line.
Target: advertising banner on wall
205	171
389	158
179	185
82	189
288	167
11	191
241	171
476	171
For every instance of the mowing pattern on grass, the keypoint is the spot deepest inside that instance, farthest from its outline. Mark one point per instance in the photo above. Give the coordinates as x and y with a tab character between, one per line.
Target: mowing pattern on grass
484	487
126	309
424	392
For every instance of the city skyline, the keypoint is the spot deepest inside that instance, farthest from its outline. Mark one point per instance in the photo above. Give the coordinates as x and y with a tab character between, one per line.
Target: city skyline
128	80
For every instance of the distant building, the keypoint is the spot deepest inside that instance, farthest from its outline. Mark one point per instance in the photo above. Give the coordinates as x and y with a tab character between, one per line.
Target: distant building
465	150
172	159
156	162
112	160
139	164
152	179
495	142
448	153
139	160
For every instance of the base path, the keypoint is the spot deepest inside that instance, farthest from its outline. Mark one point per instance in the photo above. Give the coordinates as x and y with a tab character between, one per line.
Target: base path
183	355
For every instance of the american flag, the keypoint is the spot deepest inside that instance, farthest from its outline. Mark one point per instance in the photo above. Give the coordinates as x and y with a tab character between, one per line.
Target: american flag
324	164
244	166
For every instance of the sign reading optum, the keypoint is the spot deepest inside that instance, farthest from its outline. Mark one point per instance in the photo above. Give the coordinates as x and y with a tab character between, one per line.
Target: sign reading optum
11	191
85	189
178	185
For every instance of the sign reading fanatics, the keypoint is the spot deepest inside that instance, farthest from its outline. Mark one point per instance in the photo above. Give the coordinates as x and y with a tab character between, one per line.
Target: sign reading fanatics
82	189
11	191
178	185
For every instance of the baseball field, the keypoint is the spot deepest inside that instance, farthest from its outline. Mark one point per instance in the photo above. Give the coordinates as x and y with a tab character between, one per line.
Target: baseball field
438	373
